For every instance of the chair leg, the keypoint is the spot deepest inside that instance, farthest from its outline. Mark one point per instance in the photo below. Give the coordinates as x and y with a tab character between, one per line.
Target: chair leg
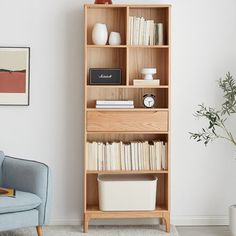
39	230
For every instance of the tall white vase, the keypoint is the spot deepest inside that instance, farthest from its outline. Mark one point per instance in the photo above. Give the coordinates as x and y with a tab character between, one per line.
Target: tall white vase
99	34
232	220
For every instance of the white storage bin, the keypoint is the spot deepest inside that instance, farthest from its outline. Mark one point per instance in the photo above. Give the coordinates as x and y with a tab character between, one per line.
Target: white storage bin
127	192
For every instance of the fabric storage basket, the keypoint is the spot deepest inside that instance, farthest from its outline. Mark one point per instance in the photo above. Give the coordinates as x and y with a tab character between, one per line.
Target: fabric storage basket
127	192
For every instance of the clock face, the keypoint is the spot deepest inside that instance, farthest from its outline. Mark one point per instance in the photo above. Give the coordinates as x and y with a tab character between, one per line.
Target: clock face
149	101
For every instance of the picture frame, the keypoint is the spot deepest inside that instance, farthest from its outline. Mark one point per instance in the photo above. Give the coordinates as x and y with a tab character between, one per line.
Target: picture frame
14	76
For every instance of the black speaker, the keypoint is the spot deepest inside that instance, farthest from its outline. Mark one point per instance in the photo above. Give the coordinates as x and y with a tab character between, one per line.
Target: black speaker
105	76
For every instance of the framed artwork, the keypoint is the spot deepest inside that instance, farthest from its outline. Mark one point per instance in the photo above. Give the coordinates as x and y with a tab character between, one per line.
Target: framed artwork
14	75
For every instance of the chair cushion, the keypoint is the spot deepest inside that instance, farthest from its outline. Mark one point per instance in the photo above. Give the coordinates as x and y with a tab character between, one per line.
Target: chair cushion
23	201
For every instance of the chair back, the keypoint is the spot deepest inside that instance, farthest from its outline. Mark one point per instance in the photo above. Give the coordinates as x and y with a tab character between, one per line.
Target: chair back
2	156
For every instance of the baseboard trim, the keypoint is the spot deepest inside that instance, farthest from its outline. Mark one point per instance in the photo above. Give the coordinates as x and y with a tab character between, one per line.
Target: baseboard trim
175	220
199	220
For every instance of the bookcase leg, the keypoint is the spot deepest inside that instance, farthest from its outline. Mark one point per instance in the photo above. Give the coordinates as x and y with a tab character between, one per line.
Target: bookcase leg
166	219
86	223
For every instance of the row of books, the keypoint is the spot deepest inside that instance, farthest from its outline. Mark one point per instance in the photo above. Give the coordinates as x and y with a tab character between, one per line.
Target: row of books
145	32
114	104
127	156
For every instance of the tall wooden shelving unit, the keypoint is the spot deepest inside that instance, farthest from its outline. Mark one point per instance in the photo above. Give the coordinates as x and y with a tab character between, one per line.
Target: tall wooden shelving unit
127	124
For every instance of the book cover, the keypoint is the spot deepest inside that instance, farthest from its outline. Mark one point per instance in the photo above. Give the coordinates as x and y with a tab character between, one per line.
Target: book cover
7	192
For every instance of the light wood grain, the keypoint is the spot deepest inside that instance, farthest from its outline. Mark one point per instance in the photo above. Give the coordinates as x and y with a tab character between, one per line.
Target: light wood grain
120	93
125	137
39	230
127	121
117	172
114	18
140	58
107	58
134	124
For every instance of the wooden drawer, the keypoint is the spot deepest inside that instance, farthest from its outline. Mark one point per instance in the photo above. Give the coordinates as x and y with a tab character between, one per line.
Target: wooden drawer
127	121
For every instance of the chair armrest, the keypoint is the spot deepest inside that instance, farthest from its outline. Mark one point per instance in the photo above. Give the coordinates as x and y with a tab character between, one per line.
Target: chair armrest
28	176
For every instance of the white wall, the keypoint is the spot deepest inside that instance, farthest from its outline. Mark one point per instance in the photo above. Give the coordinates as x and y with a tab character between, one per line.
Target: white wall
51	128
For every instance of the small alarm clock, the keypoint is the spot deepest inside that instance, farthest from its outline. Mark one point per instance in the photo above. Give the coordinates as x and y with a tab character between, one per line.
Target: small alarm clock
149	100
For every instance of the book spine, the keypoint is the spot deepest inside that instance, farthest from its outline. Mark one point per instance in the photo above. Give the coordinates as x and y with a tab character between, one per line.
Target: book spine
160	34
114	102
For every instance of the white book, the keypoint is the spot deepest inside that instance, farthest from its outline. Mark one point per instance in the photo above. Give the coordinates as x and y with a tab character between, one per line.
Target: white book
147	33
129	157
141	28
138	155
87	155
142	156
154	34
94	156
146	150
131	24
144	32
118	156
125	156
99	151
114	102
151	32
158	146
160	34
142	82
114	106
122	155
133	164
151	156
108	156
164	157
136	30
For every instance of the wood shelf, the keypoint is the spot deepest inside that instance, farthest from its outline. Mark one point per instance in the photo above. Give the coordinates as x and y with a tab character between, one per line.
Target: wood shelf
128	109
127	46
127	5
129	214
128	172
127	132
106	46
128	86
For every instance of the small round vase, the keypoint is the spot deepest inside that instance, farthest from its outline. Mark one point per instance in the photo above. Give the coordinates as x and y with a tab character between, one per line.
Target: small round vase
114	38
99	34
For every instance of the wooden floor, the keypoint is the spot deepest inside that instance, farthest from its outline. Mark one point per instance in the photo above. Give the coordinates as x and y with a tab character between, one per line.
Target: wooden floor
204	231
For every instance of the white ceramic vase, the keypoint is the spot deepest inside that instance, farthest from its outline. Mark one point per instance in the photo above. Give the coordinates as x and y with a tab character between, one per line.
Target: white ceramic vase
114	38
99	34
232	220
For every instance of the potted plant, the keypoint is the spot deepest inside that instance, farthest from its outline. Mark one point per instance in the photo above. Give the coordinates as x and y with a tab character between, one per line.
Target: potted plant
217	128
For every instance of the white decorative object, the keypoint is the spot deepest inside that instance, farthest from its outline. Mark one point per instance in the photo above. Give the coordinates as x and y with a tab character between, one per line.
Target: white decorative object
232	219
127	192
148	73
99	34
114	38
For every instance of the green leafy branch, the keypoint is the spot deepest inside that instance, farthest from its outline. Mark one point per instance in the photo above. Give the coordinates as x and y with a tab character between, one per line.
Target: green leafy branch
217	118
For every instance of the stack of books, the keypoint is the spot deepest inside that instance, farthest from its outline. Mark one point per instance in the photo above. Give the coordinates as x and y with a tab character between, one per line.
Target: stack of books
145	32
143	82
126	156
122	104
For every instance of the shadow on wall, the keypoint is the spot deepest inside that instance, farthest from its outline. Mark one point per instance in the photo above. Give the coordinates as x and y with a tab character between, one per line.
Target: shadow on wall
74	114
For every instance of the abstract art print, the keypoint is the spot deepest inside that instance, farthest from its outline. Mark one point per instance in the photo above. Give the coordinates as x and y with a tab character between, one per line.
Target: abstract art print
14	75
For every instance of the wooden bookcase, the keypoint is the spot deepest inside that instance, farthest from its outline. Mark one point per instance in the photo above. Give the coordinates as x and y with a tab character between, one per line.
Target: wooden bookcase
127	124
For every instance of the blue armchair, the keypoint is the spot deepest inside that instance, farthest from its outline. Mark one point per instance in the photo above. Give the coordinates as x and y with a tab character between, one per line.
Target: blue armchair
30	207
